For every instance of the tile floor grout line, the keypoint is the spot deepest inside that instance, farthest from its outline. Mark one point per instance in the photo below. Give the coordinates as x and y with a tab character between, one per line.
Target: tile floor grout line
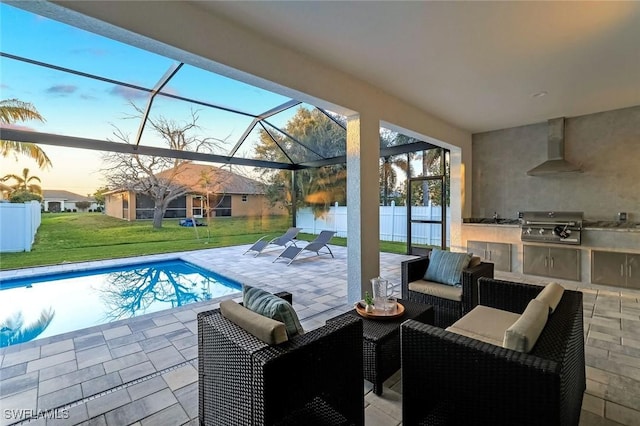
55	410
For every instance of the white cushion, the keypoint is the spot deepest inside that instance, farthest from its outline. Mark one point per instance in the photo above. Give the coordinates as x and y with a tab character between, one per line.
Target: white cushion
444	291
266	329
524	333
485	324
551	295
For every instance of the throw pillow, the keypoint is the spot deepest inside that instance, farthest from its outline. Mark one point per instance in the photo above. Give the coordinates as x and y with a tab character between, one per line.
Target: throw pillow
268	330
524	333
446	267
271	306
551	295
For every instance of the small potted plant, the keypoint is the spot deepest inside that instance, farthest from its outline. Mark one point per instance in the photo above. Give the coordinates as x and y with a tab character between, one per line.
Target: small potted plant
368	302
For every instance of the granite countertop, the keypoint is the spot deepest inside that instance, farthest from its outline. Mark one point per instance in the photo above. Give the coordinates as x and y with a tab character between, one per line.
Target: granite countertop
491	221
604	225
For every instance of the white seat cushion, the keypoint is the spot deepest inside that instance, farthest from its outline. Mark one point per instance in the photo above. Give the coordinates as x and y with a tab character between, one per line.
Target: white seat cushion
444	291
485	324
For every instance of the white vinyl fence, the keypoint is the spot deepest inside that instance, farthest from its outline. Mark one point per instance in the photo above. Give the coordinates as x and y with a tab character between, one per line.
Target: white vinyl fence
393	223
19	223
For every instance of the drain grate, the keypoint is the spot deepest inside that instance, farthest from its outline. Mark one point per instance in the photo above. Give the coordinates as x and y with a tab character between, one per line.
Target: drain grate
53	412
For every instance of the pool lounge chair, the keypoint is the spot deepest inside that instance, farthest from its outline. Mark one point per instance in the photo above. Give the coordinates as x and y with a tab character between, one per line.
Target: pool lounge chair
316	245
283	240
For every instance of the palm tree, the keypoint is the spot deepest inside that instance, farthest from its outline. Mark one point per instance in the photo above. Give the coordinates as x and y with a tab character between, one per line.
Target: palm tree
14	110
23	183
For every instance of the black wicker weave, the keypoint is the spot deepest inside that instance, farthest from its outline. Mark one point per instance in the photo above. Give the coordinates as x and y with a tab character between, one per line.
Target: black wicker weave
449	379
312	379
446	311
381	348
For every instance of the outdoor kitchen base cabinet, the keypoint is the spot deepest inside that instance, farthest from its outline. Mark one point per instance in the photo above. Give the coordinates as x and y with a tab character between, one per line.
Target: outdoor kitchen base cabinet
563	263
497	253
615	268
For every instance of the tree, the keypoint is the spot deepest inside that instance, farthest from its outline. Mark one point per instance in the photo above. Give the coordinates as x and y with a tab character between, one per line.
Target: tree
24	196
156	177
99	196
24	183
83	205
12	111
319	138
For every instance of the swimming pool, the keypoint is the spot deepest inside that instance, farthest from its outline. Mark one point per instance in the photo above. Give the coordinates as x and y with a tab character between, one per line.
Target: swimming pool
36	307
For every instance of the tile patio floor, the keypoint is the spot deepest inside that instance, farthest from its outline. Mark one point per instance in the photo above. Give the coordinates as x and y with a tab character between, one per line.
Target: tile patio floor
143	371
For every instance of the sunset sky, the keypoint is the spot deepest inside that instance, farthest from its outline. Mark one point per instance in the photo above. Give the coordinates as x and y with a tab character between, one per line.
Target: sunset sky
78	106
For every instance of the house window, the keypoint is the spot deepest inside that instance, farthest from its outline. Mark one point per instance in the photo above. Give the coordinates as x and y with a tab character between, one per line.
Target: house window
222	206
145	205
244	198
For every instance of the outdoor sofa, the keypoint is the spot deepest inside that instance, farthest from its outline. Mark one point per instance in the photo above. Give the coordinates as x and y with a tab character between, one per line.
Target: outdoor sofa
313	378
449	302
450	378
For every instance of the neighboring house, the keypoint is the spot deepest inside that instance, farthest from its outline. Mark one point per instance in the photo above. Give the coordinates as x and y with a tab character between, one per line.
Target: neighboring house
55	201
230	194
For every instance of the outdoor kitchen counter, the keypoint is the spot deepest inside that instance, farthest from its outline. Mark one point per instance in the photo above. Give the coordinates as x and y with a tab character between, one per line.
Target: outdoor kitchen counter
596	236
587	225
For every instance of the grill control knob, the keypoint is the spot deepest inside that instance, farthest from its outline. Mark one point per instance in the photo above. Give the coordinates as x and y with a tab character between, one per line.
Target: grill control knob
541	231
528	231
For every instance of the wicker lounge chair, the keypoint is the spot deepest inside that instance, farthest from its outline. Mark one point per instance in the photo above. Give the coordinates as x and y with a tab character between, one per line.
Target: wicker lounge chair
312	379
451	379
446	311
320	242
285	239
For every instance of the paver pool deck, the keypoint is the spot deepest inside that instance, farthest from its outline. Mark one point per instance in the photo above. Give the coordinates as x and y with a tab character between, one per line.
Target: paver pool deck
144	370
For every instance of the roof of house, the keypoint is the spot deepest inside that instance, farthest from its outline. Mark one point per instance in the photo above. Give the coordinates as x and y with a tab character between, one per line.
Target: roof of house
220	181
58	194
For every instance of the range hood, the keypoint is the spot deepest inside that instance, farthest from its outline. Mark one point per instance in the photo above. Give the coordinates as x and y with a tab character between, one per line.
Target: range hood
555	152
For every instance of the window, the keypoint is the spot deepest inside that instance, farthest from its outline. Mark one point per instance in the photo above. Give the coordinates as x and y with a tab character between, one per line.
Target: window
145	205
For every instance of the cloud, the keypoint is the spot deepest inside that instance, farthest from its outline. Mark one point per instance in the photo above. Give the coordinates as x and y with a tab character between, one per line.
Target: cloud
62	89
17	127
128	93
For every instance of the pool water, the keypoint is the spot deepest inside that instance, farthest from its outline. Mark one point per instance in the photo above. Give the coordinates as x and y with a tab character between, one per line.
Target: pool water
37	307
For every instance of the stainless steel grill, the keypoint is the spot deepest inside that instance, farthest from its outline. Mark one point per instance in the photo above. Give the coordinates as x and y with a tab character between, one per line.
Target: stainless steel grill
552	227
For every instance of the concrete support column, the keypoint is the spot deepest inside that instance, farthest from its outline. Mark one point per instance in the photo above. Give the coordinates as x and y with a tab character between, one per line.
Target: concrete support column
363	205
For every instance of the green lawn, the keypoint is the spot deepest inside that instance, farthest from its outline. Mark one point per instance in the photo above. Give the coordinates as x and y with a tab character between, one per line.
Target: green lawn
76	237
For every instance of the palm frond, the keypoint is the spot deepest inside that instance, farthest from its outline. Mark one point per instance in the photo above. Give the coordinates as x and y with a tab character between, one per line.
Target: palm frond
12	110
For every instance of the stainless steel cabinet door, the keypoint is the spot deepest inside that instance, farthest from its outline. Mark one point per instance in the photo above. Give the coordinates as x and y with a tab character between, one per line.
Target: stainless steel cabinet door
564	263
536	260
608	268
633	270
500	255
478	248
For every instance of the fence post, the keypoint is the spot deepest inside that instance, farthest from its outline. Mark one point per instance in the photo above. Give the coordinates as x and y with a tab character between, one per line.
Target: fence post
393	220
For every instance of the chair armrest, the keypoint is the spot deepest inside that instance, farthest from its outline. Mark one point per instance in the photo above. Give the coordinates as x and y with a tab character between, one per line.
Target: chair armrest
285	295
506	295
493	385
412	270
470	278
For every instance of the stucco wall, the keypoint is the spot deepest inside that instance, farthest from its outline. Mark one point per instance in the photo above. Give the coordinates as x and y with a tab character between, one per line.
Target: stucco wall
606	145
